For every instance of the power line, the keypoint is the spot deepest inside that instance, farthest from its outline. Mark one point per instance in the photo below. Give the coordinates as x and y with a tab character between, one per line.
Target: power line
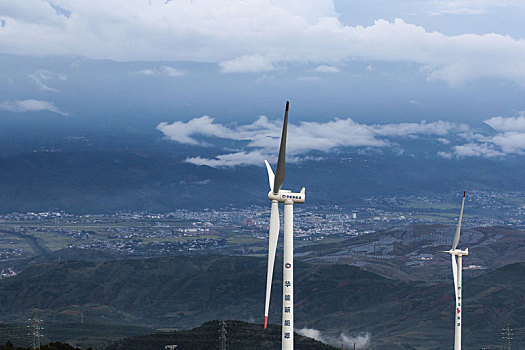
507	336
222	337
36	327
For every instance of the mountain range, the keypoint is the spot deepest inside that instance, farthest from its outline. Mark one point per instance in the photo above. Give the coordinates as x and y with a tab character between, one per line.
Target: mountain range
415	252
336	301
90	181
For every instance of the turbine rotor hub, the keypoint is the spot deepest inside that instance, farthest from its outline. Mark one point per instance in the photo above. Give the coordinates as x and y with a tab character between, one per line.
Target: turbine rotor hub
285	195
458	252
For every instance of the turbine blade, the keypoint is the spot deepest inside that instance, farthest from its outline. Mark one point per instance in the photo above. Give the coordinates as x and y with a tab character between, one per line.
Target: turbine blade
279	171
455	276
272	247
271	176
458	228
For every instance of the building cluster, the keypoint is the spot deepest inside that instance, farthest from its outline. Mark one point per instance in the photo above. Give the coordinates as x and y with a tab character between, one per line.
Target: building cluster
8	272
245	229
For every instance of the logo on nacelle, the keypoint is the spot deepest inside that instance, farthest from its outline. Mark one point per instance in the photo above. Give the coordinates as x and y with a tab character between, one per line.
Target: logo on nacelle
287	265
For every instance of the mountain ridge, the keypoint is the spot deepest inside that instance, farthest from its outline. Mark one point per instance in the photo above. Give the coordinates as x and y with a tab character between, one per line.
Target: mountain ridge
180	292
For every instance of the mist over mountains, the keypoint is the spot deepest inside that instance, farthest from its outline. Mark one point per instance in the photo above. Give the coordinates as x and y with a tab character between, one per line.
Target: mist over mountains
85	135
108	181
134	171
98	94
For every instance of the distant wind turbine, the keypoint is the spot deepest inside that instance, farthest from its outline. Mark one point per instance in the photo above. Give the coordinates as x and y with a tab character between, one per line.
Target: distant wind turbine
457	265
277	195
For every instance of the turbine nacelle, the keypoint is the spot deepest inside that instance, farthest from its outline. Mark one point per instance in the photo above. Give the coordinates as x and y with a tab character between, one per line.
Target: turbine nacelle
285	195
458	252
282	195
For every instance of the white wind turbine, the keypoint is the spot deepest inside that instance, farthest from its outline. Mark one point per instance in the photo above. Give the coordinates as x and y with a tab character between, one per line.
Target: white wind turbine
277	195
457	266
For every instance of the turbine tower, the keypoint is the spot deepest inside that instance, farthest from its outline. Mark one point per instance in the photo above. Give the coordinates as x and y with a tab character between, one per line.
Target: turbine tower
276	196
457	265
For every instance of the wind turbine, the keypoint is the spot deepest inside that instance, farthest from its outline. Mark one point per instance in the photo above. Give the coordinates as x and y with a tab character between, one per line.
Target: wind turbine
276	196
457	265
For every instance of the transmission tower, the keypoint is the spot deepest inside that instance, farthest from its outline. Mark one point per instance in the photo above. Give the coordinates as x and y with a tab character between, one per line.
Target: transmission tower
36	328
507	337
222	336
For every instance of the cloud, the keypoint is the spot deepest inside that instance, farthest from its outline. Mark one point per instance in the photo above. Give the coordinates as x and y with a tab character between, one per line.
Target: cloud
162	71
362	341
326	69
509	142
508	139
41	76
507	124
231	159
261	138
423	128
473	149
470	7
30	106
253	36
247	64
183	132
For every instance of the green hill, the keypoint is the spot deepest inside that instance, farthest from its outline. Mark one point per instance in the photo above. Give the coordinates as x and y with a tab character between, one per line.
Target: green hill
174	291
337	300
412	252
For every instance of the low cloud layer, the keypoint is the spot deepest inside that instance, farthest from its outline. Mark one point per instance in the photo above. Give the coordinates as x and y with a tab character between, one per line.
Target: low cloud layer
167	71
508	139
255	36
361	341
512	124
42	78
262	137
30	106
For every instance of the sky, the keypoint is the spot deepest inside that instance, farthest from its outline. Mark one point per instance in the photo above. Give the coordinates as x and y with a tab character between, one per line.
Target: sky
386	69
450	39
